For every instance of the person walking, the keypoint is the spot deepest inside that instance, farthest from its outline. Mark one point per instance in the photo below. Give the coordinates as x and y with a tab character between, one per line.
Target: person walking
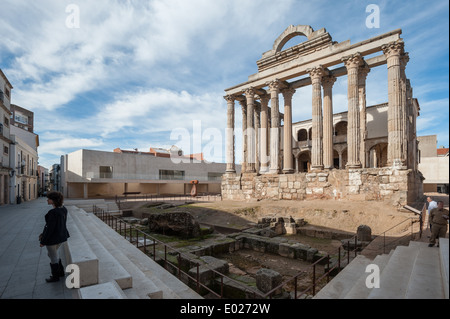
55	234
439	220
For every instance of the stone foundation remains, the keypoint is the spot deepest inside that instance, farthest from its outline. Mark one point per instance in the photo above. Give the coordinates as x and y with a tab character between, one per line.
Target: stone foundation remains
397	186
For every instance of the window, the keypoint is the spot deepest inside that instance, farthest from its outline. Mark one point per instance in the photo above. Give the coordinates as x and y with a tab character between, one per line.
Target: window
171	175
5	149
19	118
6	121
106	172
214	176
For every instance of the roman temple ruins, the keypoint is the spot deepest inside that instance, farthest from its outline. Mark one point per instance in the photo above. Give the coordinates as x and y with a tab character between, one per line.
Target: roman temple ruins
284	162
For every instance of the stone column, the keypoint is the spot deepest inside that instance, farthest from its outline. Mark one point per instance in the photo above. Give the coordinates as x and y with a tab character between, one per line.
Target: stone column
317	124
257	135
393	52
352	64
327	85
263	149
230	153
274	87
363	71
251	139
288	165
244	135
404	59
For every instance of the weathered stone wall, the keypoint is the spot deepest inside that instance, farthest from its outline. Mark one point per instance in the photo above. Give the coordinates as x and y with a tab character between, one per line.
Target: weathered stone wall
397	186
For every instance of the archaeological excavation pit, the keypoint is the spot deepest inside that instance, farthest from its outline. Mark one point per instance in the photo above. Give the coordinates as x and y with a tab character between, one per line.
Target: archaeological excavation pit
255	245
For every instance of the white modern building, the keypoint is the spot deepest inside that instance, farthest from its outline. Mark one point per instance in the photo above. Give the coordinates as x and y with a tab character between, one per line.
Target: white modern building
434	165
90	174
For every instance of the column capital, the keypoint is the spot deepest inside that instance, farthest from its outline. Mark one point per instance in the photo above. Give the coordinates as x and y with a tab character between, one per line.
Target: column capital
275	85
250	92
316	73
265	98
288	93
353	60
395	48
229	98
404	59
328	81
363	71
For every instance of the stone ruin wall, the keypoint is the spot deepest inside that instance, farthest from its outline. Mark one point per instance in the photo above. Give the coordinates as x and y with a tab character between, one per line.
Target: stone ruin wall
396	186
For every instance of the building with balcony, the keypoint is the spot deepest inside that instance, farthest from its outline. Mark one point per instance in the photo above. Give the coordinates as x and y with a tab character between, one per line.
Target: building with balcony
91	173
24	156
5	140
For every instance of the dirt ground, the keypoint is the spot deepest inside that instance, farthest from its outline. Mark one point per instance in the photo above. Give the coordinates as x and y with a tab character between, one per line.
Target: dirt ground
333	215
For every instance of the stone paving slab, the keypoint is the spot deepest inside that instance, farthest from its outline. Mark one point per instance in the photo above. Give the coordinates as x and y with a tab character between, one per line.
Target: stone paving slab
24	265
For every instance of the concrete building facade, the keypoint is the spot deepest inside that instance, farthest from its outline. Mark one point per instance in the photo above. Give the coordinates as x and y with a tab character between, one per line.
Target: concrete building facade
90	174
434	165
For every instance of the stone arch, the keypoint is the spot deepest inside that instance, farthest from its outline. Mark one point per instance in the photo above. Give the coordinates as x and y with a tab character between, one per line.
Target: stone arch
378	155
289	33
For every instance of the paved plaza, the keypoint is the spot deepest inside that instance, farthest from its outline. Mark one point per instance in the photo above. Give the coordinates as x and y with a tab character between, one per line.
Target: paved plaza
24	265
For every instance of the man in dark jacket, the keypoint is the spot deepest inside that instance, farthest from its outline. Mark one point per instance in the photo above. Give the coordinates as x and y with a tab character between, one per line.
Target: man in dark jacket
55	233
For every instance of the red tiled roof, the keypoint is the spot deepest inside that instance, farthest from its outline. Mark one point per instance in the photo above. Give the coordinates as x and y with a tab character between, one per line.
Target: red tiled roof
442	151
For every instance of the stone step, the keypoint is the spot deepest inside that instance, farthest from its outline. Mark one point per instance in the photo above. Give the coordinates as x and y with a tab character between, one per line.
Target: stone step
171	286
109	268
344	281
396	275
444	259
360	289
426	279
107	290
78	252
143	288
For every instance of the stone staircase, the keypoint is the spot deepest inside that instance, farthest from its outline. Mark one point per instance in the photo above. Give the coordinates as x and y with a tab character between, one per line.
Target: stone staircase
407	272
88	204
113	268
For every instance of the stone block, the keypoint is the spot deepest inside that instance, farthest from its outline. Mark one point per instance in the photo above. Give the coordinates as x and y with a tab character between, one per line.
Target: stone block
310	254
364	233
268	279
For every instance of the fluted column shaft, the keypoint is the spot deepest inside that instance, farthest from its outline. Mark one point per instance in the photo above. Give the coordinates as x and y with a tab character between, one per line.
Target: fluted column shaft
263	136
288	163
317	119
327	85
230	153
352	64
243	104
274	87
393	53
363	71
251	138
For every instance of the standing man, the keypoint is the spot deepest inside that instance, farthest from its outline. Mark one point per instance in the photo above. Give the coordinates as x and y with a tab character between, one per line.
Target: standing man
431	205
439	220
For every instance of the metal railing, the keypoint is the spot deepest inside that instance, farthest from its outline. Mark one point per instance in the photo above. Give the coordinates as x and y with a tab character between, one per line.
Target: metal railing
343	251
127	229
313	269
406	226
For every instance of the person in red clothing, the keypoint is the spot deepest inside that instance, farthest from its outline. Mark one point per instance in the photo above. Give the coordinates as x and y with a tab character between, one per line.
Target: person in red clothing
55	234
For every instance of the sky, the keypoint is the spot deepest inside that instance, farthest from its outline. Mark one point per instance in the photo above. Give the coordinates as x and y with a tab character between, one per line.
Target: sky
109	74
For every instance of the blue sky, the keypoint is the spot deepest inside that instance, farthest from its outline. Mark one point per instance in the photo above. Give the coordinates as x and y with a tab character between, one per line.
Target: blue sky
135	70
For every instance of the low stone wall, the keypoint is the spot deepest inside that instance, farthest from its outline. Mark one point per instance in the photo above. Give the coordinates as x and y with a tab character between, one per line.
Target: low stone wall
398	186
